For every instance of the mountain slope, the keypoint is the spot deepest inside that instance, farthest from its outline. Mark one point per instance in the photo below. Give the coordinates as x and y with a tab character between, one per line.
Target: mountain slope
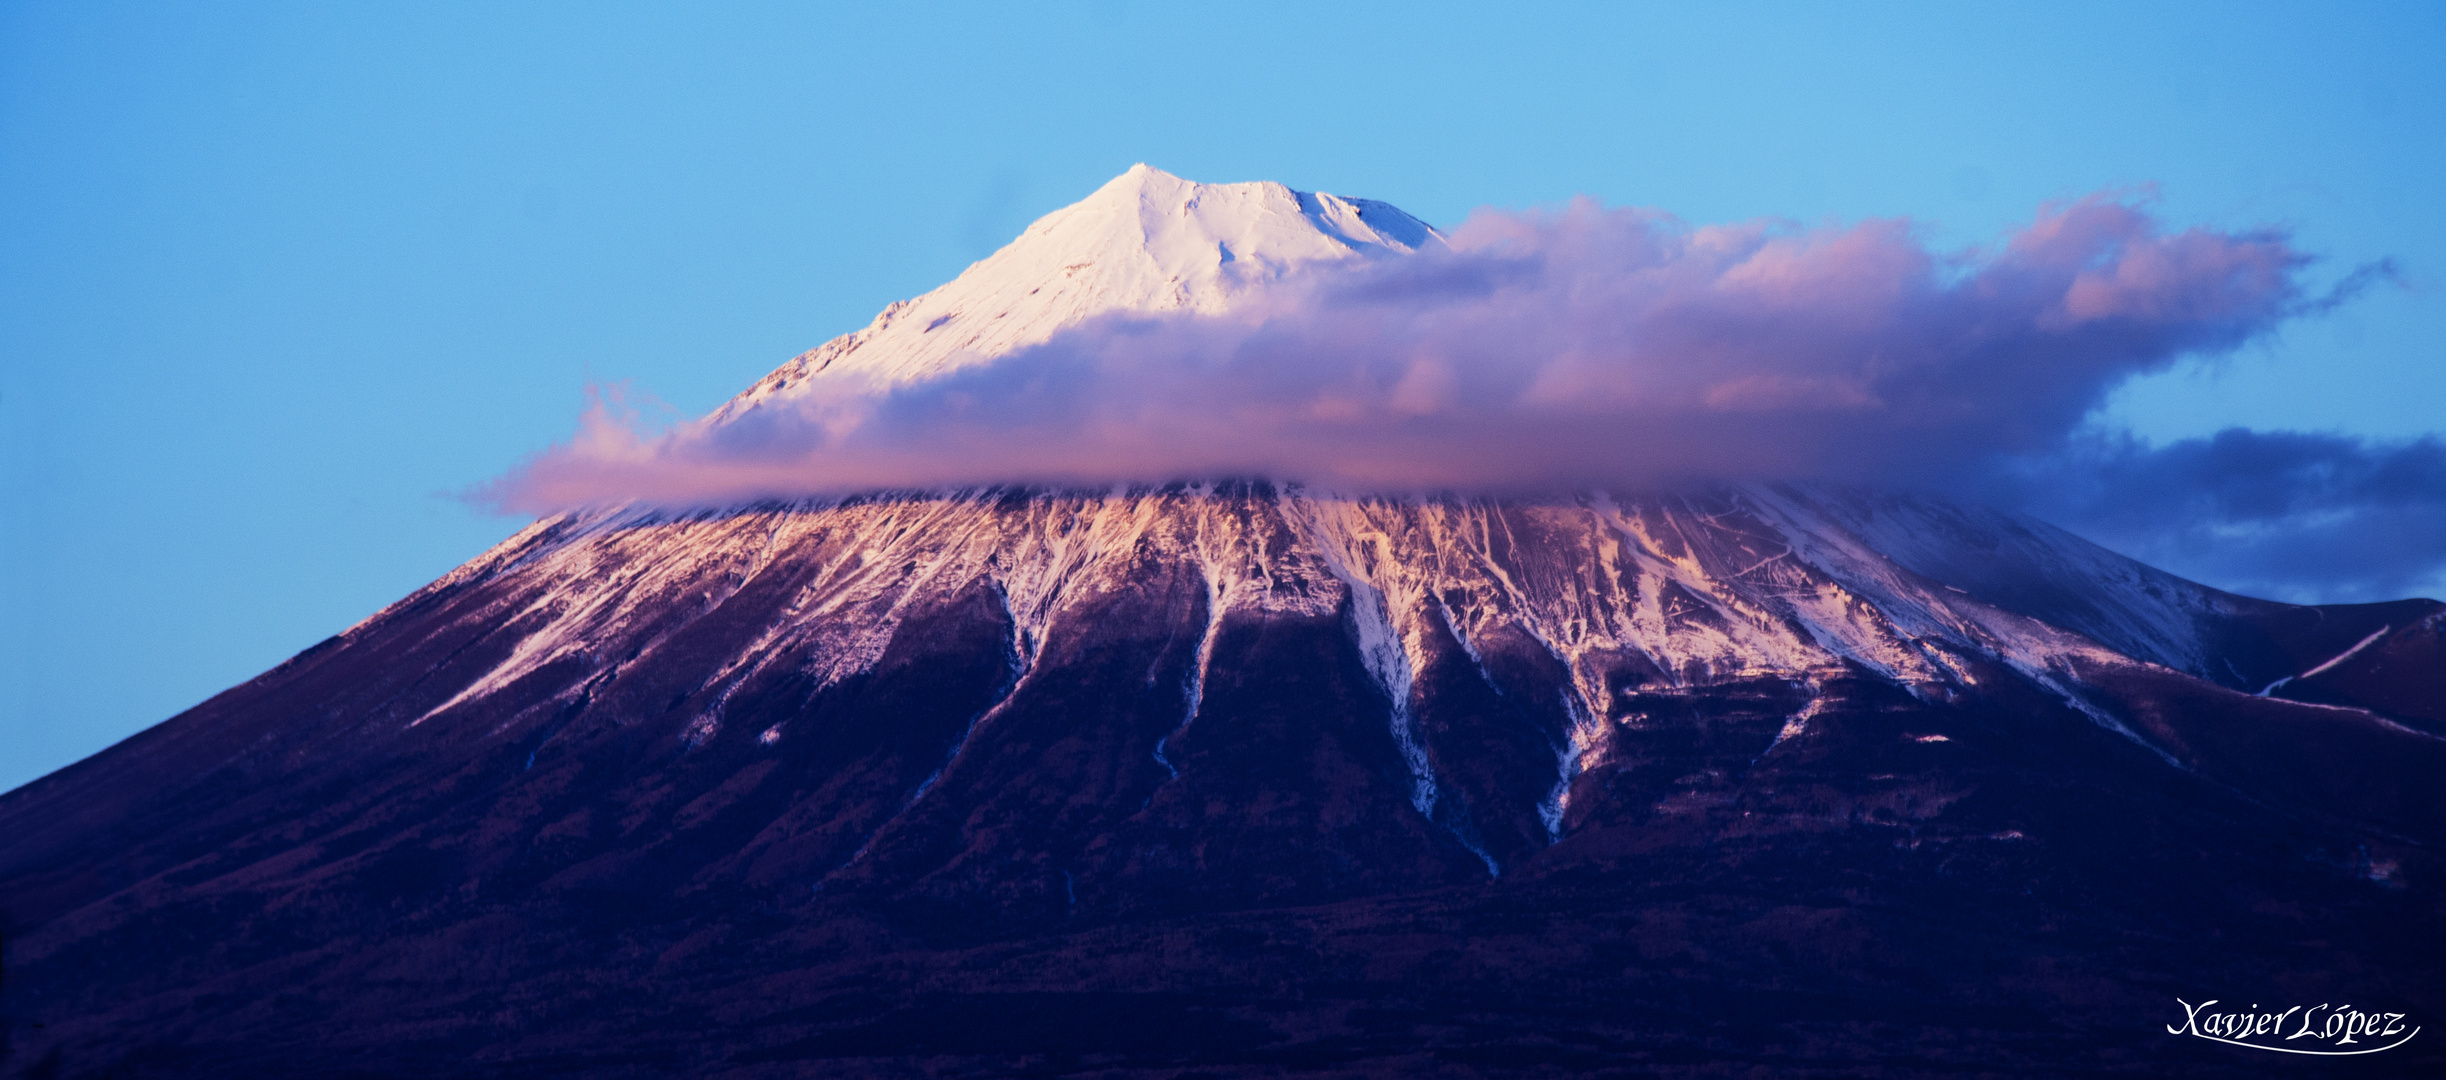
999	716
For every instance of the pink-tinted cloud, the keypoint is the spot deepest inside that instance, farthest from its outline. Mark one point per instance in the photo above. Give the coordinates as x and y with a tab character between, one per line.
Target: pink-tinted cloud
1561	348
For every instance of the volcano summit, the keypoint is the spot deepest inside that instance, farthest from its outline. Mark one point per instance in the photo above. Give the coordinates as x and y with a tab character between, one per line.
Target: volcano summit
1243	777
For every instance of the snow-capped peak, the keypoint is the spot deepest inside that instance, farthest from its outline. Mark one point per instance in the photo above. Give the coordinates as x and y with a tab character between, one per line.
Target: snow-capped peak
1146	241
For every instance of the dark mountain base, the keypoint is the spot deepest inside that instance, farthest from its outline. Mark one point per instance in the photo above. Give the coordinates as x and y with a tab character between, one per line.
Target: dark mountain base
2030	897
1895	966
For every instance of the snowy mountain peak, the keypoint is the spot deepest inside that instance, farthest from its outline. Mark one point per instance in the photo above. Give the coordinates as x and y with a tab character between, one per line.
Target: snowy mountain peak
1146	241
1193	229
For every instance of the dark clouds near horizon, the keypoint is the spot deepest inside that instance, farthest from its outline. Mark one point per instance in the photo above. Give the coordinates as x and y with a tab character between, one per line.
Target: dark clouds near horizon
1588	346
2285	515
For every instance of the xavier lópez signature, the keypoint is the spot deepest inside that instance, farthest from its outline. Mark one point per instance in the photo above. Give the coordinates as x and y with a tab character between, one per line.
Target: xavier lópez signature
2328	1028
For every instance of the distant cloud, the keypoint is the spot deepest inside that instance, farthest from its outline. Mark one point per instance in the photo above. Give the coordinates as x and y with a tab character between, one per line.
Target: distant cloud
2285	515
1564	348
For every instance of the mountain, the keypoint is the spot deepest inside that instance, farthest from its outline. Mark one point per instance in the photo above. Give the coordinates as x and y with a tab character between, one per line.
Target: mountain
1245	779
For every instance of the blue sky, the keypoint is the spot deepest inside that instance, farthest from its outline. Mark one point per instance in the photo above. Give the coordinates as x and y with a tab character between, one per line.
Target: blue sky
277	280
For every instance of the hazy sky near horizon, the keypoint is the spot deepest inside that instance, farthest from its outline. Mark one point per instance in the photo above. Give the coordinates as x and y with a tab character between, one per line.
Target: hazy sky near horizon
277	280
